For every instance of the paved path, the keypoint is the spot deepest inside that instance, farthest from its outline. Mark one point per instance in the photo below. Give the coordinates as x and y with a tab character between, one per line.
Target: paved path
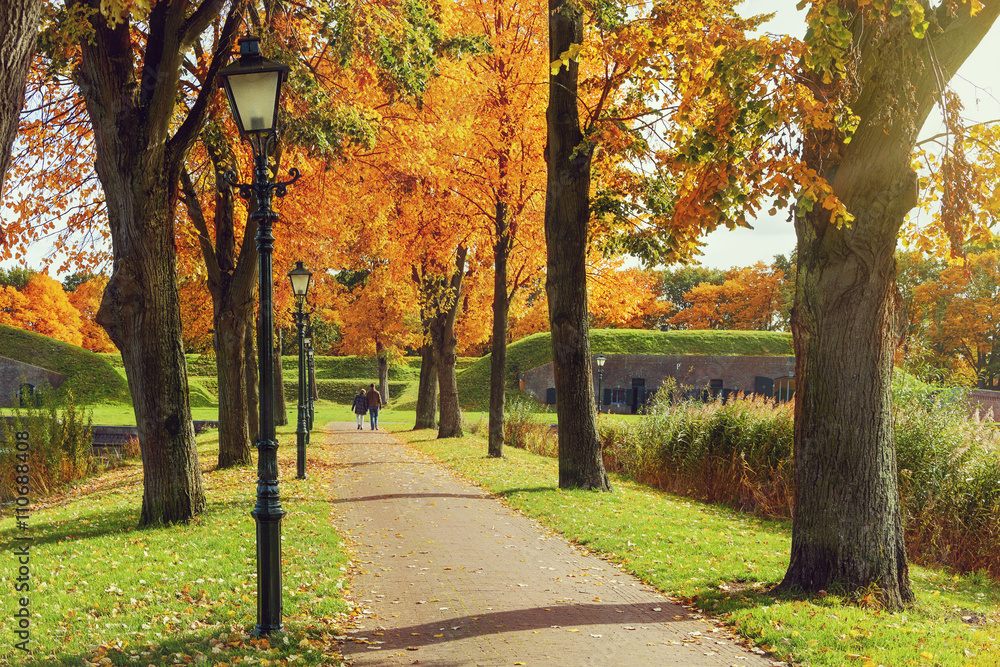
447	575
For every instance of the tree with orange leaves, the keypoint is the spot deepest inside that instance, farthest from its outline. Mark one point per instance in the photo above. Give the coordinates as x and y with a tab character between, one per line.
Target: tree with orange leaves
650	144
529	312
624	298
959	311
86	298
331	116
129	63
43	307
500	172
375	319
749	299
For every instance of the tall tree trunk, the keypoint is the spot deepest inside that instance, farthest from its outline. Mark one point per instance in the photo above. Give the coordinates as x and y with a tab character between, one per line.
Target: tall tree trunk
230	355
845	326
847	530
231	282
383	371
444	342
141	313
18	31
501	308
427	389
139	162
250	363
567	216
280	407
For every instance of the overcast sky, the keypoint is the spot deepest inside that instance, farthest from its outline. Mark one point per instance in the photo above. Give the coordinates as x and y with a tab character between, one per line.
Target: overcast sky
978	82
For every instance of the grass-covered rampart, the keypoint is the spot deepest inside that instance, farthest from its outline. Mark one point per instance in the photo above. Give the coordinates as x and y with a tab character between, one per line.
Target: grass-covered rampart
536	350
92	378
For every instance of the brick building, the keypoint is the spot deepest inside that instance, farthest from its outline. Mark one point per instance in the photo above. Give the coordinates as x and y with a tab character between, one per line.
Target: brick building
987	403
21	383
629	380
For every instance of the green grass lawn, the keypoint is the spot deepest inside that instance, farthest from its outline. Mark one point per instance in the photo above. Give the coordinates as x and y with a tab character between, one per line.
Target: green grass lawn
102	589
121	415
725	563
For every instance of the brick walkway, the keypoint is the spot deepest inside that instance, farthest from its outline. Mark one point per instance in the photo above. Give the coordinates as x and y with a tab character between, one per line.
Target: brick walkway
446	575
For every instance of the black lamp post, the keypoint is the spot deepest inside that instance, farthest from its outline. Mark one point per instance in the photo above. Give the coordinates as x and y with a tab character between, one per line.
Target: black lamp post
253	86
600	379
300	277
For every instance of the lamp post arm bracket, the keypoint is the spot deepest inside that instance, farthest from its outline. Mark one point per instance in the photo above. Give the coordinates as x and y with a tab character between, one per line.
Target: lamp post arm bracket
281	187
246	190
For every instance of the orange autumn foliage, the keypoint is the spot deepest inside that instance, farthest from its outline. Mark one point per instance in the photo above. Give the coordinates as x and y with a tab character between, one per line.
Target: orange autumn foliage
749	299
378	315
529	313
86	298
624	298
196	314
960	315
43	307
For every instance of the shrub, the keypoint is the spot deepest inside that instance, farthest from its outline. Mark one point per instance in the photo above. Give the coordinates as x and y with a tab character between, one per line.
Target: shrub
60	448
949	480
521	430
739	453
479	426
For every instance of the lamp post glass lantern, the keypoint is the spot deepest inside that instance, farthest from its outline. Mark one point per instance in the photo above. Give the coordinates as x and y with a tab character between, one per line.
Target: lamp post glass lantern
300	277
253	87
600	379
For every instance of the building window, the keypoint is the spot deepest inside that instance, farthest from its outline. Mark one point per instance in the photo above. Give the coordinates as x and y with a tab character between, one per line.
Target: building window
617	395
784	389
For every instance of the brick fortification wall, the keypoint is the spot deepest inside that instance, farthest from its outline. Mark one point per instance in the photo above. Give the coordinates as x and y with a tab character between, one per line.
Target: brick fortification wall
14	373
625	371
985	401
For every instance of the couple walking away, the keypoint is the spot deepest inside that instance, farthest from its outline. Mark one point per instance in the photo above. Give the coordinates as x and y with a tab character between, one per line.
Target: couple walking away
369	403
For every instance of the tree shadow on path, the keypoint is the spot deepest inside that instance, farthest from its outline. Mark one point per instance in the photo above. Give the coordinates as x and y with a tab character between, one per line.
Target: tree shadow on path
566	616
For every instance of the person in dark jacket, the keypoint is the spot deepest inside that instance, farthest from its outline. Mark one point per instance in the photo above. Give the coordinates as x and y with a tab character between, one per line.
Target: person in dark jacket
360	406
374	403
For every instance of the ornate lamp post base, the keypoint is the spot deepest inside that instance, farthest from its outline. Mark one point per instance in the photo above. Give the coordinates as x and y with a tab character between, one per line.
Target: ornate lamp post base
269	608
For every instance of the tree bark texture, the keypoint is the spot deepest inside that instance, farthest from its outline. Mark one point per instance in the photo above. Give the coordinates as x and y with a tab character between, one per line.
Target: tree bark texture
444	343
383	371
138	162
232	281
567	217
280	407
847	320
250	363
427	389
19	21
501	309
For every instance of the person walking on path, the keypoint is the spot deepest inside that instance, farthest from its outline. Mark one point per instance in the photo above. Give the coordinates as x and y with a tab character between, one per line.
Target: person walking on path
374	403
360	407
444	574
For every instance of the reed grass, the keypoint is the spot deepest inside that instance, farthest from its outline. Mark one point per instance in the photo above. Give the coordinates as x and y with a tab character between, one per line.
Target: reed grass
60	451
739	453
